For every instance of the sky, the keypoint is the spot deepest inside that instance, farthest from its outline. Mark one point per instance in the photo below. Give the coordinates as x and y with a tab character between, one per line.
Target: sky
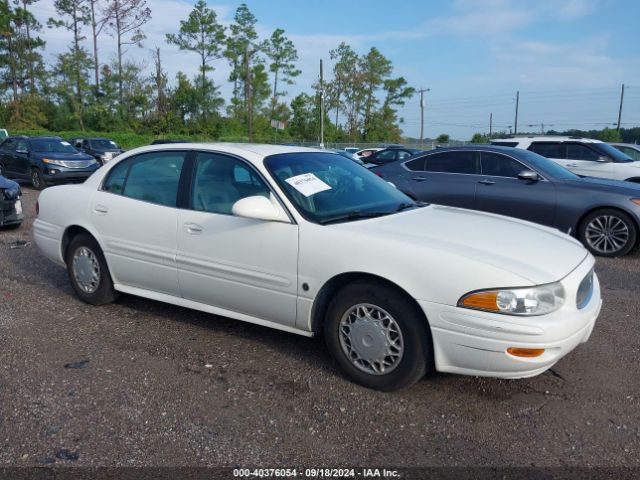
566	58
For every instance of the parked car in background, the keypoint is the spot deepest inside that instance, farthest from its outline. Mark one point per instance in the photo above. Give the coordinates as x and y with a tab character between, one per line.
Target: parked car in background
583	156
603	214
352	150
274	235
3	133
632	150
353	157
44	161
367	152
391	154
10	204
166	141
102	149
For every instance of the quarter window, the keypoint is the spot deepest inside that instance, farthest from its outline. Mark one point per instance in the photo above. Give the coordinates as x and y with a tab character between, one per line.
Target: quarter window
452	162
220	181
548	149
576	151
496	165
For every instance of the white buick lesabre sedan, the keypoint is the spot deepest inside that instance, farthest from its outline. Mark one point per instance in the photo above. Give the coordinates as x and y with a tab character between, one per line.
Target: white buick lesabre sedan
310	242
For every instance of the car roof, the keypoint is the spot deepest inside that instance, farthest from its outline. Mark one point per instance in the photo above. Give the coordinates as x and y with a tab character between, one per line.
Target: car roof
474	147
547	138
255	149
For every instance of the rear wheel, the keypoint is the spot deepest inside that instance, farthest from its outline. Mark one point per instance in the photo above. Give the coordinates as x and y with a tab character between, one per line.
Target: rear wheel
378	336
88	271
608	232
37	179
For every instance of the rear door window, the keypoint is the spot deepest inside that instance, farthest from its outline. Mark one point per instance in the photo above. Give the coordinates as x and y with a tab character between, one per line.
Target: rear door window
151	177
452	162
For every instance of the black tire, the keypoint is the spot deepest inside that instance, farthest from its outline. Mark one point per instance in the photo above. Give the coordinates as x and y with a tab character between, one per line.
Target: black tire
417	357
104	291
607	247
37	179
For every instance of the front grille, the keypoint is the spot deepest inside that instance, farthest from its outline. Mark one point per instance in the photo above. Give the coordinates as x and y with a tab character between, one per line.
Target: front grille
75	163
585	290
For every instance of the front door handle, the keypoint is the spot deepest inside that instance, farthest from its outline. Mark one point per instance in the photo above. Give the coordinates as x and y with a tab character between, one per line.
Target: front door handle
193	228
418	179
100	209
573	165
487	182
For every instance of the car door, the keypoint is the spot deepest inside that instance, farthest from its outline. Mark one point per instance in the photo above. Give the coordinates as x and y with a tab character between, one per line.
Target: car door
586	161
239	264
7	152
21	163
501	191
447	178
135	214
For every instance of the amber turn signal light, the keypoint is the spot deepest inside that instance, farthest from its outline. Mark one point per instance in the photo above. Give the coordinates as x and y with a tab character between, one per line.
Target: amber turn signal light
525	352
482	300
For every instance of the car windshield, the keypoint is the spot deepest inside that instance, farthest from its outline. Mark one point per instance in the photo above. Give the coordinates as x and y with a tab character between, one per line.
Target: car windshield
612	152
103	144
51	145
327	188
545	166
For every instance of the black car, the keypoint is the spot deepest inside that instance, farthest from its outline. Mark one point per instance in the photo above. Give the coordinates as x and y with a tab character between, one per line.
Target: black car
163	141
44	161
10	204
391	154
102	149
603	214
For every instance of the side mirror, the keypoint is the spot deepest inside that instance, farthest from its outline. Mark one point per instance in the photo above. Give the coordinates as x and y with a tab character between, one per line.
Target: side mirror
529	176
258	208
602	158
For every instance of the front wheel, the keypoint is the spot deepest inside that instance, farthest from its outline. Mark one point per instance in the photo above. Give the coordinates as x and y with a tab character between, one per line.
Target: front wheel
37	179
608	233
378	336
88	271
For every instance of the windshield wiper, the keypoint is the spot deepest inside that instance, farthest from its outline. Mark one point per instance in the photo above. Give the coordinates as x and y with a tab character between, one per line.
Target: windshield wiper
355	215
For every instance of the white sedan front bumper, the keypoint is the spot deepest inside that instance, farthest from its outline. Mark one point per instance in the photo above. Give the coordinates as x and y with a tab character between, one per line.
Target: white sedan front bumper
471	342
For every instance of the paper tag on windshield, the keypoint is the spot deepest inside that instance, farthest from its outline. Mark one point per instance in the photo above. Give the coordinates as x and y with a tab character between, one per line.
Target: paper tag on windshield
308	184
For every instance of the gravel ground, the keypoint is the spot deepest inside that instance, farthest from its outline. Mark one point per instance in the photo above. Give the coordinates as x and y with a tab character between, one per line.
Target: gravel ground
141	383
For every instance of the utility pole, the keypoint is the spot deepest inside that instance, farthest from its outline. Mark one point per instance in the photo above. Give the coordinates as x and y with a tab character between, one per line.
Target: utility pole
620	109
490	125
515	124
421	91
321	108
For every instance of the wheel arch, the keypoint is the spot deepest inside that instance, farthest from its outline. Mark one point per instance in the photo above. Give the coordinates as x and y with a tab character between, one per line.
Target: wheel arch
336	283
72	231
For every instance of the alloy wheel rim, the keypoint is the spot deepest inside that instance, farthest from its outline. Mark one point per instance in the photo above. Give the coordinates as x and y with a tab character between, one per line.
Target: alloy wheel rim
35	179
86	270
607	234
371	339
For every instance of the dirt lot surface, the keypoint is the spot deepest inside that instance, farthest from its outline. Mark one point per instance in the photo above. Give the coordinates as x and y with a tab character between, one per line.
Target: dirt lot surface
144	383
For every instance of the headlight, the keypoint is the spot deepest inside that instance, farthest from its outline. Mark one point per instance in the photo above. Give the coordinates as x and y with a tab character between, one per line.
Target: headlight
50	161
538	300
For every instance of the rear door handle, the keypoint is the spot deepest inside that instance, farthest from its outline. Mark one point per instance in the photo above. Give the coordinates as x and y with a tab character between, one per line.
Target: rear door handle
100	209
487	182
193	228
418	179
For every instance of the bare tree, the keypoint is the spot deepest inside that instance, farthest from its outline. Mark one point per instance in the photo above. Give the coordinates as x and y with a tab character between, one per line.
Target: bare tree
124	19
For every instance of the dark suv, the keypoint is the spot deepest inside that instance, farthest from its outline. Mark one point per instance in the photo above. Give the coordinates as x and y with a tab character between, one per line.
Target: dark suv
102	149
44	161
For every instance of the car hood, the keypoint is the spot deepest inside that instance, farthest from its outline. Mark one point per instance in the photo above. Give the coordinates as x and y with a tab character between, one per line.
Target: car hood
607	185
65	156
531	252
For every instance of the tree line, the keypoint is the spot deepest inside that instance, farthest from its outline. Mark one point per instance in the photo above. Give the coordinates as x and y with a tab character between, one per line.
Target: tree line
78	90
